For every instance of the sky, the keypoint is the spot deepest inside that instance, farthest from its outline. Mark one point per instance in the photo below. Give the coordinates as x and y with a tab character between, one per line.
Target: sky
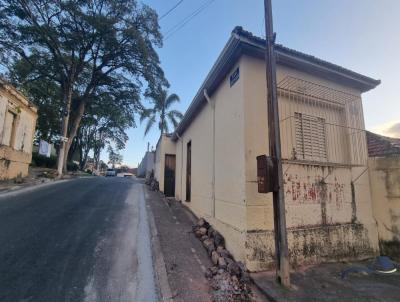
361	35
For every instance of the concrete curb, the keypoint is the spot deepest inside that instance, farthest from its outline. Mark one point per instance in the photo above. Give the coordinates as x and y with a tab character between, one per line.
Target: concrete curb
38	185
266	294
33	187
159	263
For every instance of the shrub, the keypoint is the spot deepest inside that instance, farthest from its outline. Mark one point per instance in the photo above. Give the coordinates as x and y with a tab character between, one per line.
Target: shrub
43	161
71	166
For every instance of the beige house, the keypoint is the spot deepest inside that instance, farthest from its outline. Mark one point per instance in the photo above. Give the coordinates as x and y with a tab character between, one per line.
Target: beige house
384	172
328	200
165	164
17	128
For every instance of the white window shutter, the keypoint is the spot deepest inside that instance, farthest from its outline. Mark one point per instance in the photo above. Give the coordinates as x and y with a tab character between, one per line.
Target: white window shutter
310	137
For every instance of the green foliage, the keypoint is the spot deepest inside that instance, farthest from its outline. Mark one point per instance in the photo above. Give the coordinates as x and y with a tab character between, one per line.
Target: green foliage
123	169
72	166
161	111
45	95
103	165
83	59
114	158
43	161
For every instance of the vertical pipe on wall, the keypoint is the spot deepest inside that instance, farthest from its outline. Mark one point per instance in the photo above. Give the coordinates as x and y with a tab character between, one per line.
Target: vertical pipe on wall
213	150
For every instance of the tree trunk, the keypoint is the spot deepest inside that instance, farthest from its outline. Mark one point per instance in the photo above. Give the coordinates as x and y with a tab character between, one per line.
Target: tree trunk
74	129
96	157
81	160
85	157
72	150
67	96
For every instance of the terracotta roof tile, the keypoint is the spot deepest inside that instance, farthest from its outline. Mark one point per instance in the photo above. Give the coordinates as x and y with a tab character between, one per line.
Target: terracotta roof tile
241	32
379	145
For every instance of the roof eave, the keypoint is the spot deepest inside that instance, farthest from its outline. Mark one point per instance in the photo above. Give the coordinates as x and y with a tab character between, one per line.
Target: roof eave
239	44
18	95
364	84
346	77
214	77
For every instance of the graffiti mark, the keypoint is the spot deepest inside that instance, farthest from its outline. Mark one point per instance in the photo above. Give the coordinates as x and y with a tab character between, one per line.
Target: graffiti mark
306	190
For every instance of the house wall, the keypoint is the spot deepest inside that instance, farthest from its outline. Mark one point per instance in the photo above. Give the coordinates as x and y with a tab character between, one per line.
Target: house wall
149	164
146	165
157	160
16	153
326	220
228	212
165	146
384	175
140	169
328	217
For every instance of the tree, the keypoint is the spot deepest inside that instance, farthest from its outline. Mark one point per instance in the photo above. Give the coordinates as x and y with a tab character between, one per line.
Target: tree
85	48
114	158
44	94
161	111
123	169
103	124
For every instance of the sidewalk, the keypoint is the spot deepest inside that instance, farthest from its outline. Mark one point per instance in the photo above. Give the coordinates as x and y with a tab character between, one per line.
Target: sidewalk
37	176
324	283
185	258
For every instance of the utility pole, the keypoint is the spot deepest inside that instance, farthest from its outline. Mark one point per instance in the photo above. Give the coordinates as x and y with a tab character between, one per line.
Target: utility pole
281	246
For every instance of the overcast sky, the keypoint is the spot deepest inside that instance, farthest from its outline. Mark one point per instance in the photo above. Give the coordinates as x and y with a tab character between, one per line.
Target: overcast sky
362	35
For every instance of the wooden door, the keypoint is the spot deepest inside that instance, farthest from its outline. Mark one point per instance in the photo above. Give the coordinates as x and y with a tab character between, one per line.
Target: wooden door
169	175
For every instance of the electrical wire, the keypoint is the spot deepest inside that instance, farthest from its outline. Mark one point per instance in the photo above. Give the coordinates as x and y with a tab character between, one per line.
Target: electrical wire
186	20
170	10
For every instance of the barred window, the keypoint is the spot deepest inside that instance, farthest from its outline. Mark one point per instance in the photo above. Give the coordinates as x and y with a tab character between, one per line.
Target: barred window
310	137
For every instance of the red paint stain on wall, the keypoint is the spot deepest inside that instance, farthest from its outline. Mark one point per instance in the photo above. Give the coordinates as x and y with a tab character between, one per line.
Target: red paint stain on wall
309	190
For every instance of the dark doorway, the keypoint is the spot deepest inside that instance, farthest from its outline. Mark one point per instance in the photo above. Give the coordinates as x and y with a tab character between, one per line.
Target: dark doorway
169	175
188	170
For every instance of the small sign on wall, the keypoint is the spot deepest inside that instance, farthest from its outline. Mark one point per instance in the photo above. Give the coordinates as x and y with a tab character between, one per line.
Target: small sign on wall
234	77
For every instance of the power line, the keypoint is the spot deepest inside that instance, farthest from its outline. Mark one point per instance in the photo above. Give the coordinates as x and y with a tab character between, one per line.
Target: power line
170	10
186	20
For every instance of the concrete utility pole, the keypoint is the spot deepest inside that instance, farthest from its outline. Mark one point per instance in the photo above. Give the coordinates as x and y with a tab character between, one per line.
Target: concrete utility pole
281	246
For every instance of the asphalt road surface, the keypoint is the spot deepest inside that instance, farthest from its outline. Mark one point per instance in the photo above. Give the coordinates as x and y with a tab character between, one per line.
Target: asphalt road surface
79	240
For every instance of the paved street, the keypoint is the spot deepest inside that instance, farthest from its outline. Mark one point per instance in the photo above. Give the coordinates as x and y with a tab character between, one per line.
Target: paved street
76	241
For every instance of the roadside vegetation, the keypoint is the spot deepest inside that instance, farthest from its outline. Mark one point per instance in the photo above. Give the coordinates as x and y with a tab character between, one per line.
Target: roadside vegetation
87	65
161	112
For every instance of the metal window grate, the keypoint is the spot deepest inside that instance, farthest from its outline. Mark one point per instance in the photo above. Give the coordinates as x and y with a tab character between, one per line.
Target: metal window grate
314	90
321	124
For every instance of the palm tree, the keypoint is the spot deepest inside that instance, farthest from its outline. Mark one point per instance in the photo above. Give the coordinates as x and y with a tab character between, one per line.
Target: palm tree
162	112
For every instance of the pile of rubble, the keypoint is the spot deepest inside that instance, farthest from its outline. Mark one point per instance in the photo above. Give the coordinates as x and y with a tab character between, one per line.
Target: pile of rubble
229	278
